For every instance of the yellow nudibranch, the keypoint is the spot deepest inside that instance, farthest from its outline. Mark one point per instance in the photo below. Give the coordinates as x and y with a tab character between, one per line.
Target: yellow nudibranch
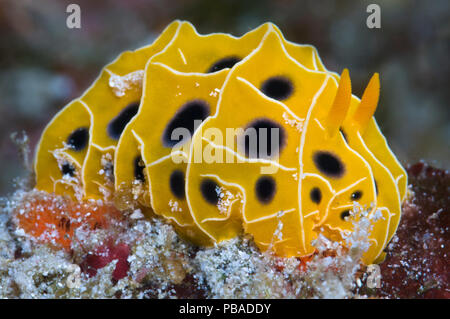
170	124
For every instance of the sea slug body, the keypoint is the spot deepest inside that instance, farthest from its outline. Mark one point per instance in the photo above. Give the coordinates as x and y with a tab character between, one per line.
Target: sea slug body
317	156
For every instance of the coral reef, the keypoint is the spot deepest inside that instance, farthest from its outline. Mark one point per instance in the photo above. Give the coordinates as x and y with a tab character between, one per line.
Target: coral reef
134	257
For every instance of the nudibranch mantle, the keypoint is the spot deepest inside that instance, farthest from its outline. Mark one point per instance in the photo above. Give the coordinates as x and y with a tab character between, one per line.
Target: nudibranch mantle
139	128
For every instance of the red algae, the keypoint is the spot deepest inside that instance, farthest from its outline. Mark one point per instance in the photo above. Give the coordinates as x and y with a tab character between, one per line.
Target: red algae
53	219
106	254
417	263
